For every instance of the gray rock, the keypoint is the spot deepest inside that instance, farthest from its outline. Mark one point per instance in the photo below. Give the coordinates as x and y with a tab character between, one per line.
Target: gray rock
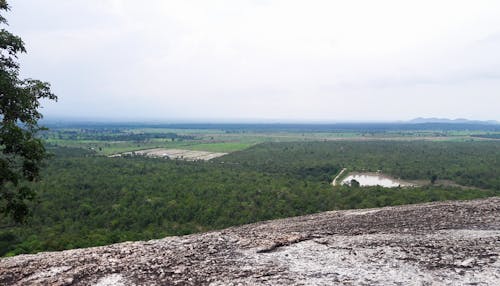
443	243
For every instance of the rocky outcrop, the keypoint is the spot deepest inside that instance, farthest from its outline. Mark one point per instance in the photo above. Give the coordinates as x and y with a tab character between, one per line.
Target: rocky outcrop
449	243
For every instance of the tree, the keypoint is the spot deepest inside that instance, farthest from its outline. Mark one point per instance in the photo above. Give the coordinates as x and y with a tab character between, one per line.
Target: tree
355	183
21	152
433	178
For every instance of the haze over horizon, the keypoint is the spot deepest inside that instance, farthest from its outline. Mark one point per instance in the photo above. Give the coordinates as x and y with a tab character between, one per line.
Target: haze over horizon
146	120
263	60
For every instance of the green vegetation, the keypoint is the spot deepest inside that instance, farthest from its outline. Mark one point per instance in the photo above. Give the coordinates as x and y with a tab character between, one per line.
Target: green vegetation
111	139
86	200
21	152
487	136
473	164
220	147
118	140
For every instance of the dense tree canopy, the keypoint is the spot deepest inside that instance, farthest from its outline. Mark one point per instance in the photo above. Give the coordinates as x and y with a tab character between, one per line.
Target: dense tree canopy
86	200
21	152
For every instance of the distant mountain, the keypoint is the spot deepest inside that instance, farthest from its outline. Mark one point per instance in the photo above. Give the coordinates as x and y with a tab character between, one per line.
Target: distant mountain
446	120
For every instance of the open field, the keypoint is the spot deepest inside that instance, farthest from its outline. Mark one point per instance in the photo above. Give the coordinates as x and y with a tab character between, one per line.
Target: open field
225	138
176	154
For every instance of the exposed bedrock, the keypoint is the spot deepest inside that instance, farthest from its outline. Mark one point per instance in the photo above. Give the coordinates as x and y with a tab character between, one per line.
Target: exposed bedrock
454	243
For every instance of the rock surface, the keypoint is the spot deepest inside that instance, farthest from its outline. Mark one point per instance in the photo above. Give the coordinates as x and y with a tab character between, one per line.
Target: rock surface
448	243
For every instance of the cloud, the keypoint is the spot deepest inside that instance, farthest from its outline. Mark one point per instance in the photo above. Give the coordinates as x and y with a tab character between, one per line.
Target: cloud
263	59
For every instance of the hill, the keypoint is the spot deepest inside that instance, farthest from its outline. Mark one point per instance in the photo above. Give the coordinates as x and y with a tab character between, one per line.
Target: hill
435	243
446	120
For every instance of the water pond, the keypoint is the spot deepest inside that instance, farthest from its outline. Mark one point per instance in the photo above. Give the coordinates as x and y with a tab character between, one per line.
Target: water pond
375	179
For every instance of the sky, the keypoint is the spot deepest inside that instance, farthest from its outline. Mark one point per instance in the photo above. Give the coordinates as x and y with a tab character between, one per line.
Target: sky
263	60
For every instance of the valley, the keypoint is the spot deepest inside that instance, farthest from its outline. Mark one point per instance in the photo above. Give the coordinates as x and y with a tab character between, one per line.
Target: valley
88	197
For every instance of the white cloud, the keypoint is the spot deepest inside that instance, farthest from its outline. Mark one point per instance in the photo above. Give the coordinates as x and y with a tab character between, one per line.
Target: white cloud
264	59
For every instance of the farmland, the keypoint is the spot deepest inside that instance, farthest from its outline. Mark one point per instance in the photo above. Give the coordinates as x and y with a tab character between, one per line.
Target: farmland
109	139
176	154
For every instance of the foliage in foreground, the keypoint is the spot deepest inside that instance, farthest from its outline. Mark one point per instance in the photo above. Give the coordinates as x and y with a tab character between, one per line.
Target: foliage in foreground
21	153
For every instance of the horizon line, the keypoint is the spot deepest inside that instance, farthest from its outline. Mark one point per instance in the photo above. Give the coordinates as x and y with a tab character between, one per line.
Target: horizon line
64	119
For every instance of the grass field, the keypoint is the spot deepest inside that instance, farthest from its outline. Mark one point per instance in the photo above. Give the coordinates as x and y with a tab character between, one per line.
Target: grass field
112	140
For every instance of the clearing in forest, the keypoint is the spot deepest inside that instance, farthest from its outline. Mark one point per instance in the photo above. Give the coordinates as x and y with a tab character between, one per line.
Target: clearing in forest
178	154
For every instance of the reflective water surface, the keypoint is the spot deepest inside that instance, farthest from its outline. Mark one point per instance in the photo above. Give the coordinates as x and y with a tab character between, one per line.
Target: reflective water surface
373	179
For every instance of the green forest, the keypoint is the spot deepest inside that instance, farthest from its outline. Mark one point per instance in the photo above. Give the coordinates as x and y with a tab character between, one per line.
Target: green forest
88	200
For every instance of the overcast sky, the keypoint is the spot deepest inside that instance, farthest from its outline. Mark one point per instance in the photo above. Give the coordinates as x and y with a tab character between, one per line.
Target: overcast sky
267	60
